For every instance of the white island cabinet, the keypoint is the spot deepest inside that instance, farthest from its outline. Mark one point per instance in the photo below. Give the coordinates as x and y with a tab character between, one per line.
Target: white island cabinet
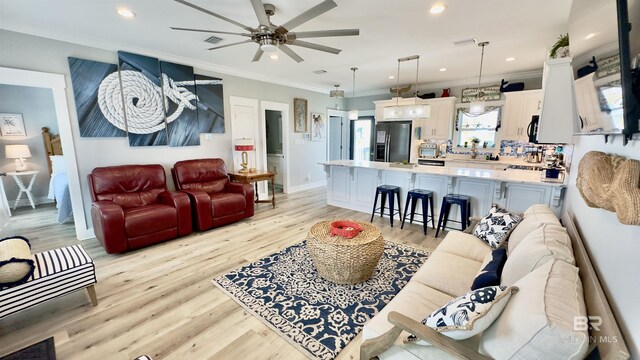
352	185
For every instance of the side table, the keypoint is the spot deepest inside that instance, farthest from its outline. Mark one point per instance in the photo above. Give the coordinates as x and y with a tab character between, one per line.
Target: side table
254	177
24	189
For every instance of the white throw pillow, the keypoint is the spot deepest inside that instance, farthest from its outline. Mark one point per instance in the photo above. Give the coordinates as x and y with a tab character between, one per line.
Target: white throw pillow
496	226
58	165
16	265
469	314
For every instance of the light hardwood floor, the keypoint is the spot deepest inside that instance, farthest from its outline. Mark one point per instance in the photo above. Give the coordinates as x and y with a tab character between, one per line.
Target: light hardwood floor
160	301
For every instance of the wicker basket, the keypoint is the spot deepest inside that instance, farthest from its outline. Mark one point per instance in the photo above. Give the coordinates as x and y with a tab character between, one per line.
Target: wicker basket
342	260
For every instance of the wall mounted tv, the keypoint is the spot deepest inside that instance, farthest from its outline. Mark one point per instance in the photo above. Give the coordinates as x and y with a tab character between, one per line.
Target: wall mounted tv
607	89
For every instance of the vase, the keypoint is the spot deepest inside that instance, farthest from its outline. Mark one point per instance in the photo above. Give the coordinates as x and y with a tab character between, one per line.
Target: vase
474	150
445	92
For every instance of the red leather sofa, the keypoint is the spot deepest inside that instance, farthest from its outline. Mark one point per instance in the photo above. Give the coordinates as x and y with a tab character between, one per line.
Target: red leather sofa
215	201
132	208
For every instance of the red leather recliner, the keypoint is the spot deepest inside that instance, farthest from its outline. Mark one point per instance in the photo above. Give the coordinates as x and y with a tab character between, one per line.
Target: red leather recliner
215	201
132	208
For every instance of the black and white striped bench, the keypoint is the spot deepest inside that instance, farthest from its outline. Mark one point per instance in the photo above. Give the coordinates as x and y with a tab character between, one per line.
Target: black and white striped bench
57	272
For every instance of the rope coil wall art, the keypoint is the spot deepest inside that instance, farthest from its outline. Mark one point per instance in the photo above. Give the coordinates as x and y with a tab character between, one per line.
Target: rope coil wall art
611	182
154	102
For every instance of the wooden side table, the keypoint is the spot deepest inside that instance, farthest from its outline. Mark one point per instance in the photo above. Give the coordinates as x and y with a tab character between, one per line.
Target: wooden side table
254	177
24	189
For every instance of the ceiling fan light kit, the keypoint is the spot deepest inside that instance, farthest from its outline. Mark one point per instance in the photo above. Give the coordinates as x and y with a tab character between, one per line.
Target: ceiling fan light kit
270	37
409	111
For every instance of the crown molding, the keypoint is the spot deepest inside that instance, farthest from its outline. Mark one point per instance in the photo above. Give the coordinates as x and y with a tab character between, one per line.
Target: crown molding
197	64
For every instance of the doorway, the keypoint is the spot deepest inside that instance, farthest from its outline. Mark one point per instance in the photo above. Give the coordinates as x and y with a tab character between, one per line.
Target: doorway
338	135
361	139
275	148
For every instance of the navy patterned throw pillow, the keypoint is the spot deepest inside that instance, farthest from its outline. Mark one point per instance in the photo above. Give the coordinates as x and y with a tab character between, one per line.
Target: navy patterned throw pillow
469	314
494	229
490	274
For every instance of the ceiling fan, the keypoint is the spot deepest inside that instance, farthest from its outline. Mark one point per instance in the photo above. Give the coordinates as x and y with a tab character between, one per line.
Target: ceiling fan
271	37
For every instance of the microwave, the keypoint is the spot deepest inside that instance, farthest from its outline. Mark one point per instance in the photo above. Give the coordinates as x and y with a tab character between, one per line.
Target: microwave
427	150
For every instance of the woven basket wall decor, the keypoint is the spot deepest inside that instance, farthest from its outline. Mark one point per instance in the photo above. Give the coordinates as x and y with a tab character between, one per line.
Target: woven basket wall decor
611	182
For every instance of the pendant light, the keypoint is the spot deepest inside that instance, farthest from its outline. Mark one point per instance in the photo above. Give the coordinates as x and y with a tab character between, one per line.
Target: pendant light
410	111
477	106
336	93
353	113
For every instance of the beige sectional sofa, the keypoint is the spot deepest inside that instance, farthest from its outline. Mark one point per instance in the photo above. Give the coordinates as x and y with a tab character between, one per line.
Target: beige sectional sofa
538	321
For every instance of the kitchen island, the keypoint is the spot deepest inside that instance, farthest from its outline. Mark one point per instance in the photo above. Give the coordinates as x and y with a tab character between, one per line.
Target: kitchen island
352	185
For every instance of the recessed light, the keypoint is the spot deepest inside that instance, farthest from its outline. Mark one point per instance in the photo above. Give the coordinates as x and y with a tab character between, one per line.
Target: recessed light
443	69
510	59
589	36
124	12
438	8
274	57
391	77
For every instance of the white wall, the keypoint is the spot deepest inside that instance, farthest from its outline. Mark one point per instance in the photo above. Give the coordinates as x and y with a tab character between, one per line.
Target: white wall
39	54
38	111
614	247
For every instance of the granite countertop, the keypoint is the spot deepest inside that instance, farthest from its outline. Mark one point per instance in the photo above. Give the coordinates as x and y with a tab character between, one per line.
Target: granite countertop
514	176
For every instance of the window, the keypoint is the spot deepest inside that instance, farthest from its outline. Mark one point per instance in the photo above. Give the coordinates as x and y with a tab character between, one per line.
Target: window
482	127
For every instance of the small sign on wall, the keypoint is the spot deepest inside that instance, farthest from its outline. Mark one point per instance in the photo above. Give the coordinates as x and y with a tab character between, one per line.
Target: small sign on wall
490	93
12	125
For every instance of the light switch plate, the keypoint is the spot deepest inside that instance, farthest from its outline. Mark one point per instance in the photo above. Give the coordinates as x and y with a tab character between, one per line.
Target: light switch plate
208	137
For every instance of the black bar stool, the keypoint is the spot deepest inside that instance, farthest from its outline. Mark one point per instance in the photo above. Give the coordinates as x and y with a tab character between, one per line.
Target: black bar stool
465	211
427	197
387	190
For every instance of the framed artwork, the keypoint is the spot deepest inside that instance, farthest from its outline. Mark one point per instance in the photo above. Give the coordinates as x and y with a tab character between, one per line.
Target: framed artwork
317	127
299	115
12	125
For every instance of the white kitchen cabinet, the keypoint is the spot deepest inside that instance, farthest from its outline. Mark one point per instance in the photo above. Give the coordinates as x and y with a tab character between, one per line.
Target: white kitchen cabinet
558	116
363	187
436	183
593	118
518	197
519	107
338	185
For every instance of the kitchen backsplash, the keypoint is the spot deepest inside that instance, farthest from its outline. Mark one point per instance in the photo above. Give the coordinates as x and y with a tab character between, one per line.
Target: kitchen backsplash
513	148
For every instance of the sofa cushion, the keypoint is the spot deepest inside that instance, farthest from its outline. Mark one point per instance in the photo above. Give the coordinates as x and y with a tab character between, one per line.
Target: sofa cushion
414	300
539	316
447	273
128	185
535	217
540	246
224	204
465	245
468	315
495	227
491	270
149	219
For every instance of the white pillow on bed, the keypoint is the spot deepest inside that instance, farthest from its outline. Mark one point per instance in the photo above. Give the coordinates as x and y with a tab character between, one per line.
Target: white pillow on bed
58	164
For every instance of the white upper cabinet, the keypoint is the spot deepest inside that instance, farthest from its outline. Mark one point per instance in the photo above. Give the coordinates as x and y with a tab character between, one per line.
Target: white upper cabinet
519	107
559	116
438	125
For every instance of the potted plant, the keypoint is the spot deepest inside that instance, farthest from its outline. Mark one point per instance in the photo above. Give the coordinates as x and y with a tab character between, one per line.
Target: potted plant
474	147
561	48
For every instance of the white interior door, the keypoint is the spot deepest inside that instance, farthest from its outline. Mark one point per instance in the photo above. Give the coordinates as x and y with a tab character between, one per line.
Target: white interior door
5	212
283	108
338	135
245	124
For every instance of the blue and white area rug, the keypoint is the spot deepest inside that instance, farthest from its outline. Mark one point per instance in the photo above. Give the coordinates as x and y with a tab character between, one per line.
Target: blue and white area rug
319	317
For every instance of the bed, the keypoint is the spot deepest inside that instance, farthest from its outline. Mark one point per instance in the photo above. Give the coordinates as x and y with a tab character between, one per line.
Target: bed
59	183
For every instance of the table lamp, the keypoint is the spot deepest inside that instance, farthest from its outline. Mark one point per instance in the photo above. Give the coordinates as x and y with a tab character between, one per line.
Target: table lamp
19	153
244	145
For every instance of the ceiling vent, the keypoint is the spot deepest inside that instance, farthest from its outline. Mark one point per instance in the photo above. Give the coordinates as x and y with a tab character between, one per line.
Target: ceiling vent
213	39
320	72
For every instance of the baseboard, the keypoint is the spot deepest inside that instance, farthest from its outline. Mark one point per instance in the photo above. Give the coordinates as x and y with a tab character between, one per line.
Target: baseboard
317	184
85	234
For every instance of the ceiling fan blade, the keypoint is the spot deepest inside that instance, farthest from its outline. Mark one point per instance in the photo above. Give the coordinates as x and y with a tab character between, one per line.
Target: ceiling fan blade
287	50
314	46
258	55
227	45
324	33
208	31
258	7
183	2
317	10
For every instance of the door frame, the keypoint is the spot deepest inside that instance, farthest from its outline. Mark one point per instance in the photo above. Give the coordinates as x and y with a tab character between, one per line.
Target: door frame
284	110
371	140
345	116
57	84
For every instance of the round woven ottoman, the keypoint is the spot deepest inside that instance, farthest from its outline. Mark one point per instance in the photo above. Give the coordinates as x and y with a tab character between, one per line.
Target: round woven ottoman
342	260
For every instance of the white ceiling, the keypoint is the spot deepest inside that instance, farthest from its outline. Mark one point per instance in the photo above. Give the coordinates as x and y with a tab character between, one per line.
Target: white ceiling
389	29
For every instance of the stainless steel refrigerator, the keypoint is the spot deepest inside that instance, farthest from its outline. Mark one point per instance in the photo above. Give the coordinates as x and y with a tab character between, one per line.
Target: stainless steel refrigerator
393	141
